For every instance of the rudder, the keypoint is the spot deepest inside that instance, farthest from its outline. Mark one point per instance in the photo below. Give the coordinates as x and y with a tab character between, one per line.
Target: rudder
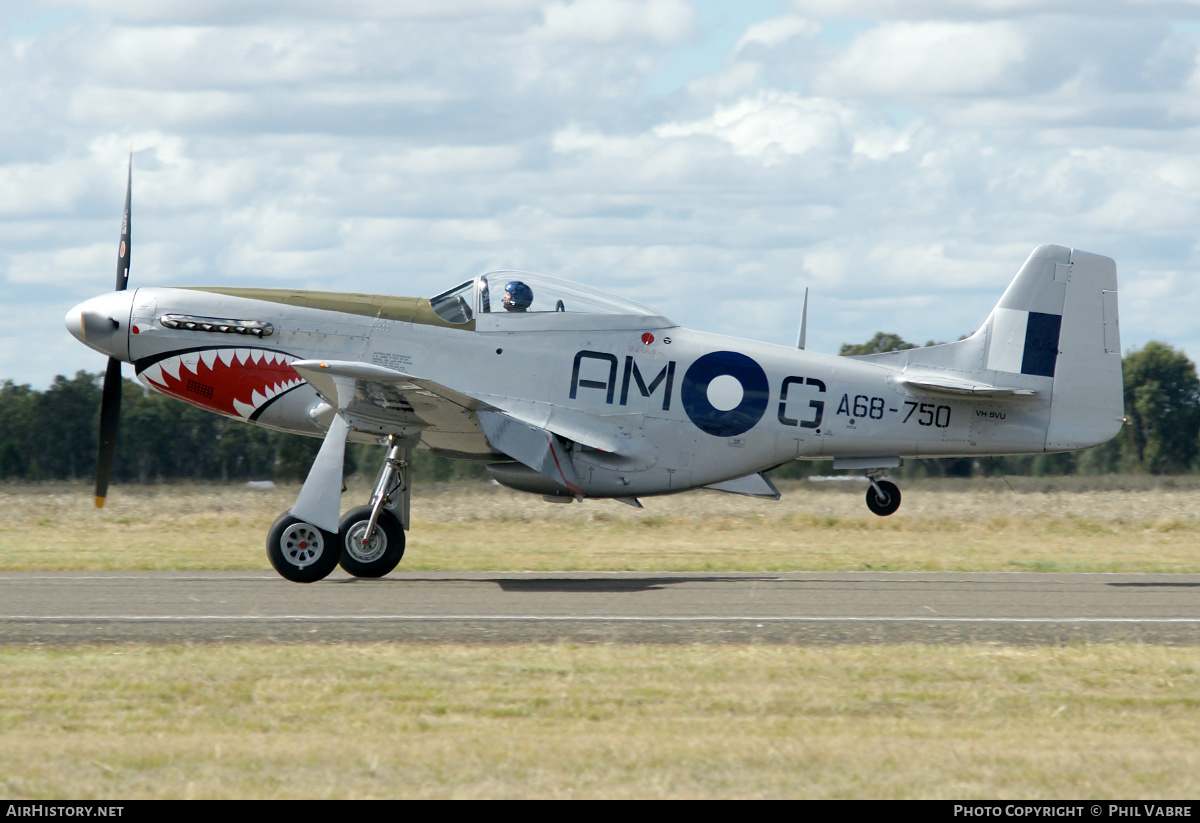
1088	405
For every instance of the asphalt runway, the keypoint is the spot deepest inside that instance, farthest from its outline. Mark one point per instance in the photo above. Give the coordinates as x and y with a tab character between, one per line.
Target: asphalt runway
513	607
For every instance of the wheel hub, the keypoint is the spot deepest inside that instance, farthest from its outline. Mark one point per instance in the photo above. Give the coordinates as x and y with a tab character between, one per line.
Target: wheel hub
369	551
302	545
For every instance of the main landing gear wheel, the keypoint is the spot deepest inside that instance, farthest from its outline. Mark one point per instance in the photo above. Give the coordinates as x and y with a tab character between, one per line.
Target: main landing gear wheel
886	500
381	553
300	551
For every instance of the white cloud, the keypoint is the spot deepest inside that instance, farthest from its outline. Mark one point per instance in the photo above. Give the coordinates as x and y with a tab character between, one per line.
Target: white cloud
773	124
769	125
453	160
29	190
904	173
907	60
232	12
182	57
737	79
112	106
776	31
277	228
77	266
574	138
606	21
978	9
1160	305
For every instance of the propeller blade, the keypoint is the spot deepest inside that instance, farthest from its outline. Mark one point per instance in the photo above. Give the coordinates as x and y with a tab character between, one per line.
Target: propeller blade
110	416
110	400
123	252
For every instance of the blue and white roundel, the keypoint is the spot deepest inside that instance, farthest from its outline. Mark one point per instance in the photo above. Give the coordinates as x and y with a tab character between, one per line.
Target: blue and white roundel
725	393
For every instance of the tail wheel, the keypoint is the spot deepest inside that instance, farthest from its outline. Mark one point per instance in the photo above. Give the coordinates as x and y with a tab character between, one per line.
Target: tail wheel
885	503
377	556
300	551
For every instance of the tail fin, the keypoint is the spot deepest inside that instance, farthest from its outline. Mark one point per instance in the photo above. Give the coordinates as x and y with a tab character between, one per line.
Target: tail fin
1022	333
1054	333
1058	319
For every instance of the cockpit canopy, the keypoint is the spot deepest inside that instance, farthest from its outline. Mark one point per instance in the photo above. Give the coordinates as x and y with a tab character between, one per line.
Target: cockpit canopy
486	294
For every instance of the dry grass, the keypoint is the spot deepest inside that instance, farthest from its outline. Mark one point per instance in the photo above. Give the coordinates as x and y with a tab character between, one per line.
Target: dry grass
387	720
1112	524
600	721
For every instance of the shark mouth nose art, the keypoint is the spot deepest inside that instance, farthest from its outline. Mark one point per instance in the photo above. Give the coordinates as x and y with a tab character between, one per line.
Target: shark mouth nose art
236	382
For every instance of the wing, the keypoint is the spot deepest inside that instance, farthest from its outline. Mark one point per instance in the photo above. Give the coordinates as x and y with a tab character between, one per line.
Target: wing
607	433
380	400
376	398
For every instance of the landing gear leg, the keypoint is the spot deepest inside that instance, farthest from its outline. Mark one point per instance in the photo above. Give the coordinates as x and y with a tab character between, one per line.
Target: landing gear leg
372	536
300	544
883	498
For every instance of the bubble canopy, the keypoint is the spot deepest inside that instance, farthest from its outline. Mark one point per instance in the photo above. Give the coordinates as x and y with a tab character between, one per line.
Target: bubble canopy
486	294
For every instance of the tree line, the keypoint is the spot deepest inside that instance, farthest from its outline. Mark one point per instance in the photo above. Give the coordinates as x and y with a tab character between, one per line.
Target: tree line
51	434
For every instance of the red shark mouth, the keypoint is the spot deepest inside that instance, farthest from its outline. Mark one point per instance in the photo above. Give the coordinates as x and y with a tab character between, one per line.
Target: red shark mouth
234	382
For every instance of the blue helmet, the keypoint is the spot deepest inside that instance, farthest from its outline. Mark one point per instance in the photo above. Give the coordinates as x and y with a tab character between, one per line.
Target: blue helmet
517	296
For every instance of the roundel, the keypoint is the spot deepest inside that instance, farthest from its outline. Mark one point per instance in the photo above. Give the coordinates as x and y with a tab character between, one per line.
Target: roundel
725	393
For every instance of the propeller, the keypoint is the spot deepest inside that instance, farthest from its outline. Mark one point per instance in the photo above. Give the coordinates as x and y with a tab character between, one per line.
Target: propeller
110	399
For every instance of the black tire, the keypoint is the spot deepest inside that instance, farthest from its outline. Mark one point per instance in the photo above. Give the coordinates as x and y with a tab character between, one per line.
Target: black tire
300	551
883	506
384	551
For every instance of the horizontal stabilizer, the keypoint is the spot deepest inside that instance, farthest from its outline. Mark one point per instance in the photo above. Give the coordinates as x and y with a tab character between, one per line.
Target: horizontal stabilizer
954	385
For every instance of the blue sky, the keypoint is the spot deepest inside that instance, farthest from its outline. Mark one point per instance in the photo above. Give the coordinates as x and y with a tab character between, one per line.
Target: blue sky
711	159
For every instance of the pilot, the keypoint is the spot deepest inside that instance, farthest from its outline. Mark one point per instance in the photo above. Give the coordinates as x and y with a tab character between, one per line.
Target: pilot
517	296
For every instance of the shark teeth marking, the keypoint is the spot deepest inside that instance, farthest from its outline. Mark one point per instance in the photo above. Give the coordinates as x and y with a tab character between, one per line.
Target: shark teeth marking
259	399
224	379
190	361
153	374
286	385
